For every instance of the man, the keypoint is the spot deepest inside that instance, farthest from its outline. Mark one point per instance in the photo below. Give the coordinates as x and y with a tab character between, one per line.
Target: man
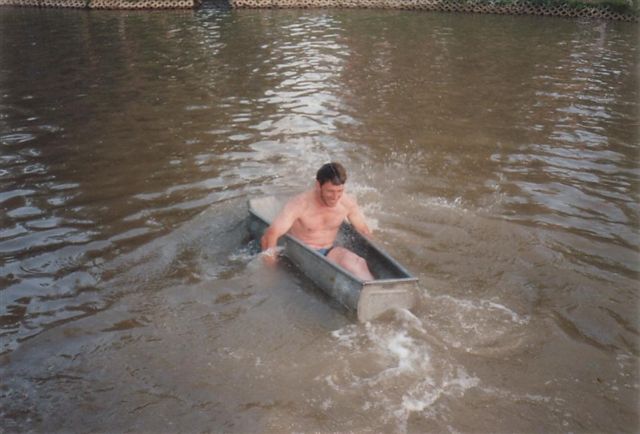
314	217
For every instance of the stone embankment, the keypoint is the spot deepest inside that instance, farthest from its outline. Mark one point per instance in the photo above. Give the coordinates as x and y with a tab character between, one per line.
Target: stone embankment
515	7
105	4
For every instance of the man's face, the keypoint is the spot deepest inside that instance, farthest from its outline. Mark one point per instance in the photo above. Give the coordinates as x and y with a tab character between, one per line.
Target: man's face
330	194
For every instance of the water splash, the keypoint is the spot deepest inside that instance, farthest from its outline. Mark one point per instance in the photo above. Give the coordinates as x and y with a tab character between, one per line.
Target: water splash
403	375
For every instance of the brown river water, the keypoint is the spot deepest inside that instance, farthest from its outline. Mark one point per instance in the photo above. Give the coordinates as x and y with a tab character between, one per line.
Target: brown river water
496	157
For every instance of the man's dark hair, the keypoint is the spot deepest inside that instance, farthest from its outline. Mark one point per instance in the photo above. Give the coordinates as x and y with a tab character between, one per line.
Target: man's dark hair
333	172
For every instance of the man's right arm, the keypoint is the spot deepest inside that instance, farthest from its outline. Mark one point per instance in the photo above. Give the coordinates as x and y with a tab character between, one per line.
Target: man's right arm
280	226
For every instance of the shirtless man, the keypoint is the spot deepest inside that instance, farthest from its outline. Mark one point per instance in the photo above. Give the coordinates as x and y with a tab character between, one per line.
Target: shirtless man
314	218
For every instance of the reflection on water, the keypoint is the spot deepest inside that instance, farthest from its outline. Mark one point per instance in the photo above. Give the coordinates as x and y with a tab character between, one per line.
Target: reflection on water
496	157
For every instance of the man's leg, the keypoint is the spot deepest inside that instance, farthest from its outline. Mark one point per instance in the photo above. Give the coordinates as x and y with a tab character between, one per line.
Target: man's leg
350	262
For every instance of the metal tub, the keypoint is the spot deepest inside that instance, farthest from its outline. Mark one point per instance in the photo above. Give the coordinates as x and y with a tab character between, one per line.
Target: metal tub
393	287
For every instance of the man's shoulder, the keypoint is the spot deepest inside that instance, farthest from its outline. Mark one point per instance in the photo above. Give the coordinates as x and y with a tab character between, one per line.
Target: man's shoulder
299	202
349	201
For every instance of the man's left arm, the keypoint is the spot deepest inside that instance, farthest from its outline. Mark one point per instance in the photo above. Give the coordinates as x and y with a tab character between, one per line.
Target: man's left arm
356	218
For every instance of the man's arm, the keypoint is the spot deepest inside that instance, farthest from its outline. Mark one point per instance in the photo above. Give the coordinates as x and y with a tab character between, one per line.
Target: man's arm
281	224
356	218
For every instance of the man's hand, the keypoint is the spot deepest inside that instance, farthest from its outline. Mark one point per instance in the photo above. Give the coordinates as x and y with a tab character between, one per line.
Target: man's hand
270	257
364	230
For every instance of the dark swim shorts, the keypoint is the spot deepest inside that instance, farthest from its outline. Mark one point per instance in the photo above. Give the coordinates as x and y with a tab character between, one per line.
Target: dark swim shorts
325	251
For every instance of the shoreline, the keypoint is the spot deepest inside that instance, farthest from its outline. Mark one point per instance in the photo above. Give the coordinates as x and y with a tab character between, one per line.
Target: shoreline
105	4
607	10
568	9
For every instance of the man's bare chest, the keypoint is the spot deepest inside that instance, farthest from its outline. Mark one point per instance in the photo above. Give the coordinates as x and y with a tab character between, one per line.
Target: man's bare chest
321	221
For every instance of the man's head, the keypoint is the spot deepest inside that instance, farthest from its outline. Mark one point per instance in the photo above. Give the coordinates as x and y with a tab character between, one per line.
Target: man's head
331	178
332	172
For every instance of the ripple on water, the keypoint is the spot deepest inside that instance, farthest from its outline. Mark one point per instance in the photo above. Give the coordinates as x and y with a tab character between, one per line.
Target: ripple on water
481	327
24	212
16	138
397	372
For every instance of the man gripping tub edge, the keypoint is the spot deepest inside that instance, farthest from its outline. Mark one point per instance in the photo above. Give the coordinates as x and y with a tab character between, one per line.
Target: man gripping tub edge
314	217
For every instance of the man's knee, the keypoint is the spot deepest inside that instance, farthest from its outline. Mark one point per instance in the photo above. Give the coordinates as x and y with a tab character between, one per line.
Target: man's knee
355	261
351	262
360	268
347	257
337	254
359	262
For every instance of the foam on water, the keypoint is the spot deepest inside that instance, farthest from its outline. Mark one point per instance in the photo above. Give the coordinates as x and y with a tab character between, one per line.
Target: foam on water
492	309
518	319
409	355
200	250
512	396
361	190
475	326
456	204
255	261
405	379
369	200
249	253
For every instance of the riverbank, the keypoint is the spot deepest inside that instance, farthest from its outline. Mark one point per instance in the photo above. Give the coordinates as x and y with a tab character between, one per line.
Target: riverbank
105	4
620	10
611	10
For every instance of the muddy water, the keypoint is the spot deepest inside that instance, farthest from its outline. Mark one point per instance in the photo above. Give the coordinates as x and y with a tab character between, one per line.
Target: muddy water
496	157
